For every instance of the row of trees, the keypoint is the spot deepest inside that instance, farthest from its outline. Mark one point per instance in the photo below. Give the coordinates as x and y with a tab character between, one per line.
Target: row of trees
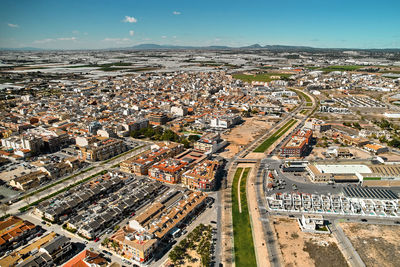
161	134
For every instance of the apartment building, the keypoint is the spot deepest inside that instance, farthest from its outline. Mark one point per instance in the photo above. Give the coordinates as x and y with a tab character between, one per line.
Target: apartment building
168	170
158	119
209	143
202	177
98	149
316	125
297	145
140	164
32	143
225	121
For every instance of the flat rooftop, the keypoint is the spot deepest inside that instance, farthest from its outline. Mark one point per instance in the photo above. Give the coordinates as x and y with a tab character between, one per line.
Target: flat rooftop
343	169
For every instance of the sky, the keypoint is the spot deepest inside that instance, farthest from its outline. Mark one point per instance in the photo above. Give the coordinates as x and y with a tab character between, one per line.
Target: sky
90	24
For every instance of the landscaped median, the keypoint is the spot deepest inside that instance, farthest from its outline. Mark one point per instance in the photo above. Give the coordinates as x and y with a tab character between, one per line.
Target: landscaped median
242	235
305	96
54	184
122	154
25	208
272	139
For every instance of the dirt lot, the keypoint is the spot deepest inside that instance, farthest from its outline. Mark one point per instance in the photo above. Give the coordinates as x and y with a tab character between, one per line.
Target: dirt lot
305	249
243	134
390	156
377	245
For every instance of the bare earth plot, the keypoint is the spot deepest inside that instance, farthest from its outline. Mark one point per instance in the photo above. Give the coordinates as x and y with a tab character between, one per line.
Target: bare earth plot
305	249
377	245
243	134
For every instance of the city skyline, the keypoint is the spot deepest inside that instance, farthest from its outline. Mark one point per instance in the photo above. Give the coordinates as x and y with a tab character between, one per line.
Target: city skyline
99	24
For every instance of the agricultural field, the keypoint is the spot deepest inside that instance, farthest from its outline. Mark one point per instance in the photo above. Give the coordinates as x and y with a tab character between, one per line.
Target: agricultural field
261	77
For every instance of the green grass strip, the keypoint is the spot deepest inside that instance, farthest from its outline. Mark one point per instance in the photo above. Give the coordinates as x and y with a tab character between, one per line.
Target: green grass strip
56	183
25	208
122	154
272	139
242	232
372	178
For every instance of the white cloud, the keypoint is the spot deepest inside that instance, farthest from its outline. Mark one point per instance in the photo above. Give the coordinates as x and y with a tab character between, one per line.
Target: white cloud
43	41
49	40
164	37
13	25
176	13
130	19
131	33
66	39
75	32
119	41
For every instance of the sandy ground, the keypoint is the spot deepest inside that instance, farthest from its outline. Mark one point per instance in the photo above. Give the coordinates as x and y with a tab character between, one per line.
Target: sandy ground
377	245
243	134
258	236
305	249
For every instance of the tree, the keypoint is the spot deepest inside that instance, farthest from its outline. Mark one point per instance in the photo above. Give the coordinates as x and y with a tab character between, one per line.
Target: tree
193	137
173	256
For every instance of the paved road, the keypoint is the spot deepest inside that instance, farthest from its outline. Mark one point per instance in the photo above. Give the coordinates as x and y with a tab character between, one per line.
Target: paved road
349	251
273	254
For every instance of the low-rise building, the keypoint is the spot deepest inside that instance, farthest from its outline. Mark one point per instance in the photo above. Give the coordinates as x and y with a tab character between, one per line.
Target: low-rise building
168	170
87	258
375	148
140	164
15	232
23	256
30	180
140	238
202	177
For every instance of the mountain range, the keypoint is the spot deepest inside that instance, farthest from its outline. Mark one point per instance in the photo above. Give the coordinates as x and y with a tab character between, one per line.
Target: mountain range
280	48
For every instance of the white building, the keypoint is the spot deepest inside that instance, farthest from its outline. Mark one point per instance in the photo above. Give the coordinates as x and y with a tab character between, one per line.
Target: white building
179	111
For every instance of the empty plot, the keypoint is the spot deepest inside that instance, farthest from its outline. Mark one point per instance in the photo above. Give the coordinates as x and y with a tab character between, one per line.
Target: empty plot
377	245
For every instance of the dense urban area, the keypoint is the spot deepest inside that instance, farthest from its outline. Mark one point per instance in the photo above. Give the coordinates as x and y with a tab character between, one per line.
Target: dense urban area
259	156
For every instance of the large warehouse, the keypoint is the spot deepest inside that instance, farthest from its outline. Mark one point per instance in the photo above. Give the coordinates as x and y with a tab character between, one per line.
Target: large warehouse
354	172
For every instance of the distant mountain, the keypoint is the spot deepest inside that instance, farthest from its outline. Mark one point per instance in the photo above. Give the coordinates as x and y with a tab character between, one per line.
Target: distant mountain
172	47
277	48
252	46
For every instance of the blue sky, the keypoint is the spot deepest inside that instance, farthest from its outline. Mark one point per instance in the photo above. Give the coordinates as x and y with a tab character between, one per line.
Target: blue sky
93	24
